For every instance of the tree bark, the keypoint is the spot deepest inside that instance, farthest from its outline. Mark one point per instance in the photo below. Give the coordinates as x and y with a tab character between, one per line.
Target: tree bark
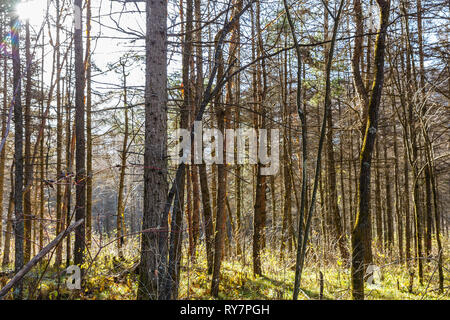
18	225
80	175
59	174
123	165
5	112
155	156
259	219
89	173
363	215
27	157
221	187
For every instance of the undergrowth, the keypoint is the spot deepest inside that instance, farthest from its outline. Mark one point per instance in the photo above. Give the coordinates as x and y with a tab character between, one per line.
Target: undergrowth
107	276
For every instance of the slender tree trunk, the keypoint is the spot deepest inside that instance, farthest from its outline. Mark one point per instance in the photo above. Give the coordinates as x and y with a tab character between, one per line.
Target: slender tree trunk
350	181
59	173
80	175
287	203
120	200
27	159
70	151
207	217
260	197
431	167
89	173
397	196
41	188
407	206
341	167
18	156
221	189
337	220
208	223
428	196
437	225
389	216
5	112
237	119
378	207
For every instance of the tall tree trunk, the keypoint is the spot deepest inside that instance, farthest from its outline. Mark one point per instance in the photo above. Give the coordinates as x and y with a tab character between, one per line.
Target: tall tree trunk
397	196
259	219
436	218
219	239
18	155
407	205
27	159
80	175
428	196
41	184
302	242
411	141
59	173
237	116
350	180
208	223
389	216
363	215
331	169
123	165
341	168
431	167
4	113
70	151
378	207
207	217
155	156
364	102
287	195
337	220
89	173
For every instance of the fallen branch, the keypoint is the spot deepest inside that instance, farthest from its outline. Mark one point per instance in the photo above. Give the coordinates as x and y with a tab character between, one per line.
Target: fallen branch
22	272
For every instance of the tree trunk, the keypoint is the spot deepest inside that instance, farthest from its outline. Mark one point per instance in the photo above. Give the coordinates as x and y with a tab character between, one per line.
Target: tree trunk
18	155
397	196
27	159
259	219
389	216
123	165
5	112
363	215
80	175
302	242
207	217
337	220
155	157
59	173
364	102
89	173
378	207
70	151
219	239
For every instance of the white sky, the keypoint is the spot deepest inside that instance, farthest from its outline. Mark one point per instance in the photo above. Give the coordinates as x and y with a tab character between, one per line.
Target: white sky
105	49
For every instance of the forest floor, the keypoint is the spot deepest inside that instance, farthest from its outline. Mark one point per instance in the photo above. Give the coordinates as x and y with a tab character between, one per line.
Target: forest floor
110	278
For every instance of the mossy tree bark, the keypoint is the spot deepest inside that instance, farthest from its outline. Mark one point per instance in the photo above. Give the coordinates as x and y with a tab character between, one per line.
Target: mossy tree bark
363	215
